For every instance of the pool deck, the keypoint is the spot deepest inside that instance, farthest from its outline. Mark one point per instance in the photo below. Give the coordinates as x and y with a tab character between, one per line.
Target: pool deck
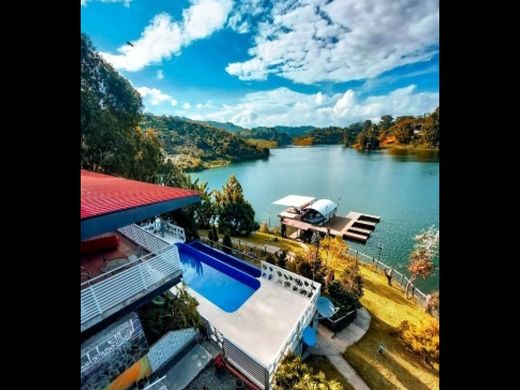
260	326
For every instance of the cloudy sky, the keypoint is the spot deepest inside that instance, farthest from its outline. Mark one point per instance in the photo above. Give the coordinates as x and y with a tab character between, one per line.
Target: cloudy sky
273	62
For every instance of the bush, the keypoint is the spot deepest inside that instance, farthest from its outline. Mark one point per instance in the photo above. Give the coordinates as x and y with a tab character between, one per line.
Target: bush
423	340
343	299
227	243
175	313
293	374
263	228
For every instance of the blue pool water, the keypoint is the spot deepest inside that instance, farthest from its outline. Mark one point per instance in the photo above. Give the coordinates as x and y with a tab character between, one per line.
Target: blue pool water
223	285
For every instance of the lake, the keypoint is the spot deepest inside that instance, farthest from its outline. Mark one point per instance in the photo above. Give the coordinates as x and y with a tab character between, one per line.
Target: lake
402	187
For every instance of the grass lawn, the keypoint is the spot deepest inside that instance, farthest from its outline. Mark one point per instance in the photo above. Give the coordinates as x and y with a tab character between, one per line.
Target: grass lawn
397	368
321	363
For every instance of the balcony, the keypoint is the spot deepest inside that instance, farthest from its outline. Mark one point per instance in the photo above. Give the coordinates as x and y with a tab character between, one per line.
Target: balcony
142	263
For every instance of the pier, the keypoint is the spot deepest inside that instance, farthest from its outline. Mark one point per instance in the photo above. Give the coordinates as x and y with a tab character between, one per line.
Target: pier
354	226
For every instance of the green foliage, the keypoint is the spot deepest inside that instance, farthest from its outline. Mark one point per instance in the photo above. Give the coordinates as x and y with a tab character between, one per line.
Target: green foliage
227	243
422	340
368	138
430	129
195	145
386	122
308	263
235	215
323	136
267	133
174	313
110	113
292	373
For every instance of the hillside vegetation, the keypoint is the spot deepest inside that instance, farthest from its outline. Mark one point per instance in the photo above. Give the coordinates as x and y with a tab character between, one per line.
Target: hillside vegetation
195	145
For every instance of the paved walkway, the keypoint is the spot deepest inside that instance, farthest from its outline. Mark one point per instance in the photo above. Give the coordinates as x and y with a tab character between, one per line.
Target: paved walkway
333	347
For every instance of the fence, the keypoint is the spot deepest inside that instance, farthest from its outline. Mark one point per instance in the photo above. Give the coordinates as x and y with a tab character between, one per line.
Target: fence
401	279
397	276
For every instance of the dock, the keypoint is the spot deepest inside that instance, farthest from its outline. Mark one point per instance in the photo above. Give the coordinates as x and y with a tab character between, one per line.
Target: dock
354	226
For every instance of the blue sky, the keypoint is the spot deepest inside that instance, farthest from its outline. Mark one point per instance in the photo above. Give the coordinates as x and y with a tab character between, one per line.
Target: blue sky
277	62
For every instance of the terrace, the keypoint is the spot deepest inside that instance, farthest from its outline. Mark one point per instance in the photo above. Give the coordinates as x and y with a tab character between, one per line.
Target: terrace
114	278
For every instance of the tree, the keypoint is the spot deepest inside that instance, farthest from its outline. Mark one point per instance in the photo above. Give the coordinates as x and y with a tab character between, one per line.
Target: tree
281	258
432	302
292	373
307	262
227	243
175	312
431	130
386	122
421	257
235	215
110	113
368	138
422	340
333	250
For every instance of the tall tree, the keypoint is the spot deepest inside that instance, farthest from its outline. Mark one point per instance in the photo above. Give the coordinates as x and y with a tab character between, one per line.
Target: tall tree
235	214
421	258
110	112
386	122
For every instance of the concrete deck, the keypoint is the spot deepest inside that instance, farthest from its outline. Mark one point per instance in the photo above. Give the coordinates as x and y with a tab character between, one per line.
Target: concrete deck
261	326
187	369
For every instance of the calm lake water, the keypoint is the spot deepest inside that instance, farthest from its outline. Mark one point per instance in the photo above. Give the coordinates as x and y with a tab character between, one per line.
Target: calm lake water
401	187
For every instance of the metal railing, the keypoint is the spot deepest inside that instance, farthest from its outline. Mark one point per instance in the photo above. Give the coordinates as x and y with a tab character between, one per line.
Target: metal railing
174	230
398	277
294	335
143	238
101	295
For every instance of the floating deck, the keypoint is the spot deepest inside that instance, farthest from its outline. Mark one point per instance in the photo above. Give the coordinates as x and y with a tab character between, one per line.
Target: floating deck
355	226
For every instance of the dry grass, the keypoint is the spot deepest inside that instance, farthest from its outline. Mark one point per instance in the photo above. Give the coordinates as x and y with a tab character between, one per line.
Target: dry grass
321	363
262	143
397	368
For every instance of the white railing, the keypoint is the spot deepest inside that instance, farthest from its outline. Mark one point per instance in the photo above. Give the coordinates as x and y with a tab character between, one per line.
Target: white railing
289	280
102	295
175	231
143	238
159	384
295	335
397	276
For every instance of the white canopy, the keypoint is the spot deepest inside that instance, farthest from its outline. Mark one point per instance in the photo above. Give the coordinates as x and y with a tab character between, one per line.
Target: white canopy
325	207
297	201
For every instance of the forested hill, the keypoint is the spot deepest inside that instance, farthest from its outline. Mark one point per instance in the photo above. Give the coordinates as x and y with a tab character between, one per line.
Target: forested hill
228	126
195	145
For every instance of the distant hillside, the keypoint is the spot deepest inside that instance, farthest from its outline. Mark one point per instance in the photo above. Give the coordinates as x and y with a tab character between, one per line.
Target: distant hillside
228	126
194	145
323	136
280	138
295	131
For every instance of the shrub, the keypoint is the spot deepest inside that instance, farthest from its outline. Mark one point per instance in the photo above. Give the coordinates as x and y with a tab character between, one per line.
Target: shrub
292	373
423	340
227	243
263	228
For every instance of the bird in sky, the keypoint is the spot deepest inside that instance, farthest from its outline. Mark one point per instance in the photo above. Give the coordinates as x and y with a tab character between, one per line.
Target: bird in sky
129	43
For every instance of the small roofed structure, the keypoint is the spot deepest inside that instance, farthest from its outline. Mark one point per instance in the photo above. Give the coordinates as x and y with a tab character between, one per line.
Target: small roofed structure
321	211
297	201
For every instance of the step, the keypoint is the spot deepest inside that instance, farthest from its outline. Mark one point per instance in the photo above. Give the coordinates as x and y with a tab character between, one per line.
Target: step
355	236
187	369
370	225
367	217
359	230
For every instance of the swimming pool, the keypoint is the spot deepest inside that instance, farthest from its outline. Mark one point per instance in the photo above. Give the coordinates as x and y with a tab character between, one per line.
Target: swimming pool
225	286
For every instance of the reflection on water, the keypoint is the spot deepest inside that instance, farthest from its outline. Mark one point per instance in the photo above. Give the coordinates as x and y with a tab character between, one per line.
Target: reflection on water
414	155
401	186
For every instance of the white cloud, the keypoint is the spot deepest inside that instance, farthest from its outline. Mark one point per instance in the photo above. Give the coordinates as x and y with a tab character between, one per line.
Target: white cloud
283	106
310	41
186	106
204	17
243	14
165	37
126	3
160	74
154	96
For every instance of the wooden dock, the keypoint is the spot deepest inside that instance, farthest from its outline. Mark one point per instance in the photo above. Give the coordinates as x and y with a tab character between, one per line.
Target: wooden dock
354	226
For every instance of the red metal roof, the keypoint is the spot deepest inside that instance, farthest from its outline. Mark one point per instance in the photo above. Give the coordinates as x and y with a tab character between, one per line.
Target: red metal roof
103	194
